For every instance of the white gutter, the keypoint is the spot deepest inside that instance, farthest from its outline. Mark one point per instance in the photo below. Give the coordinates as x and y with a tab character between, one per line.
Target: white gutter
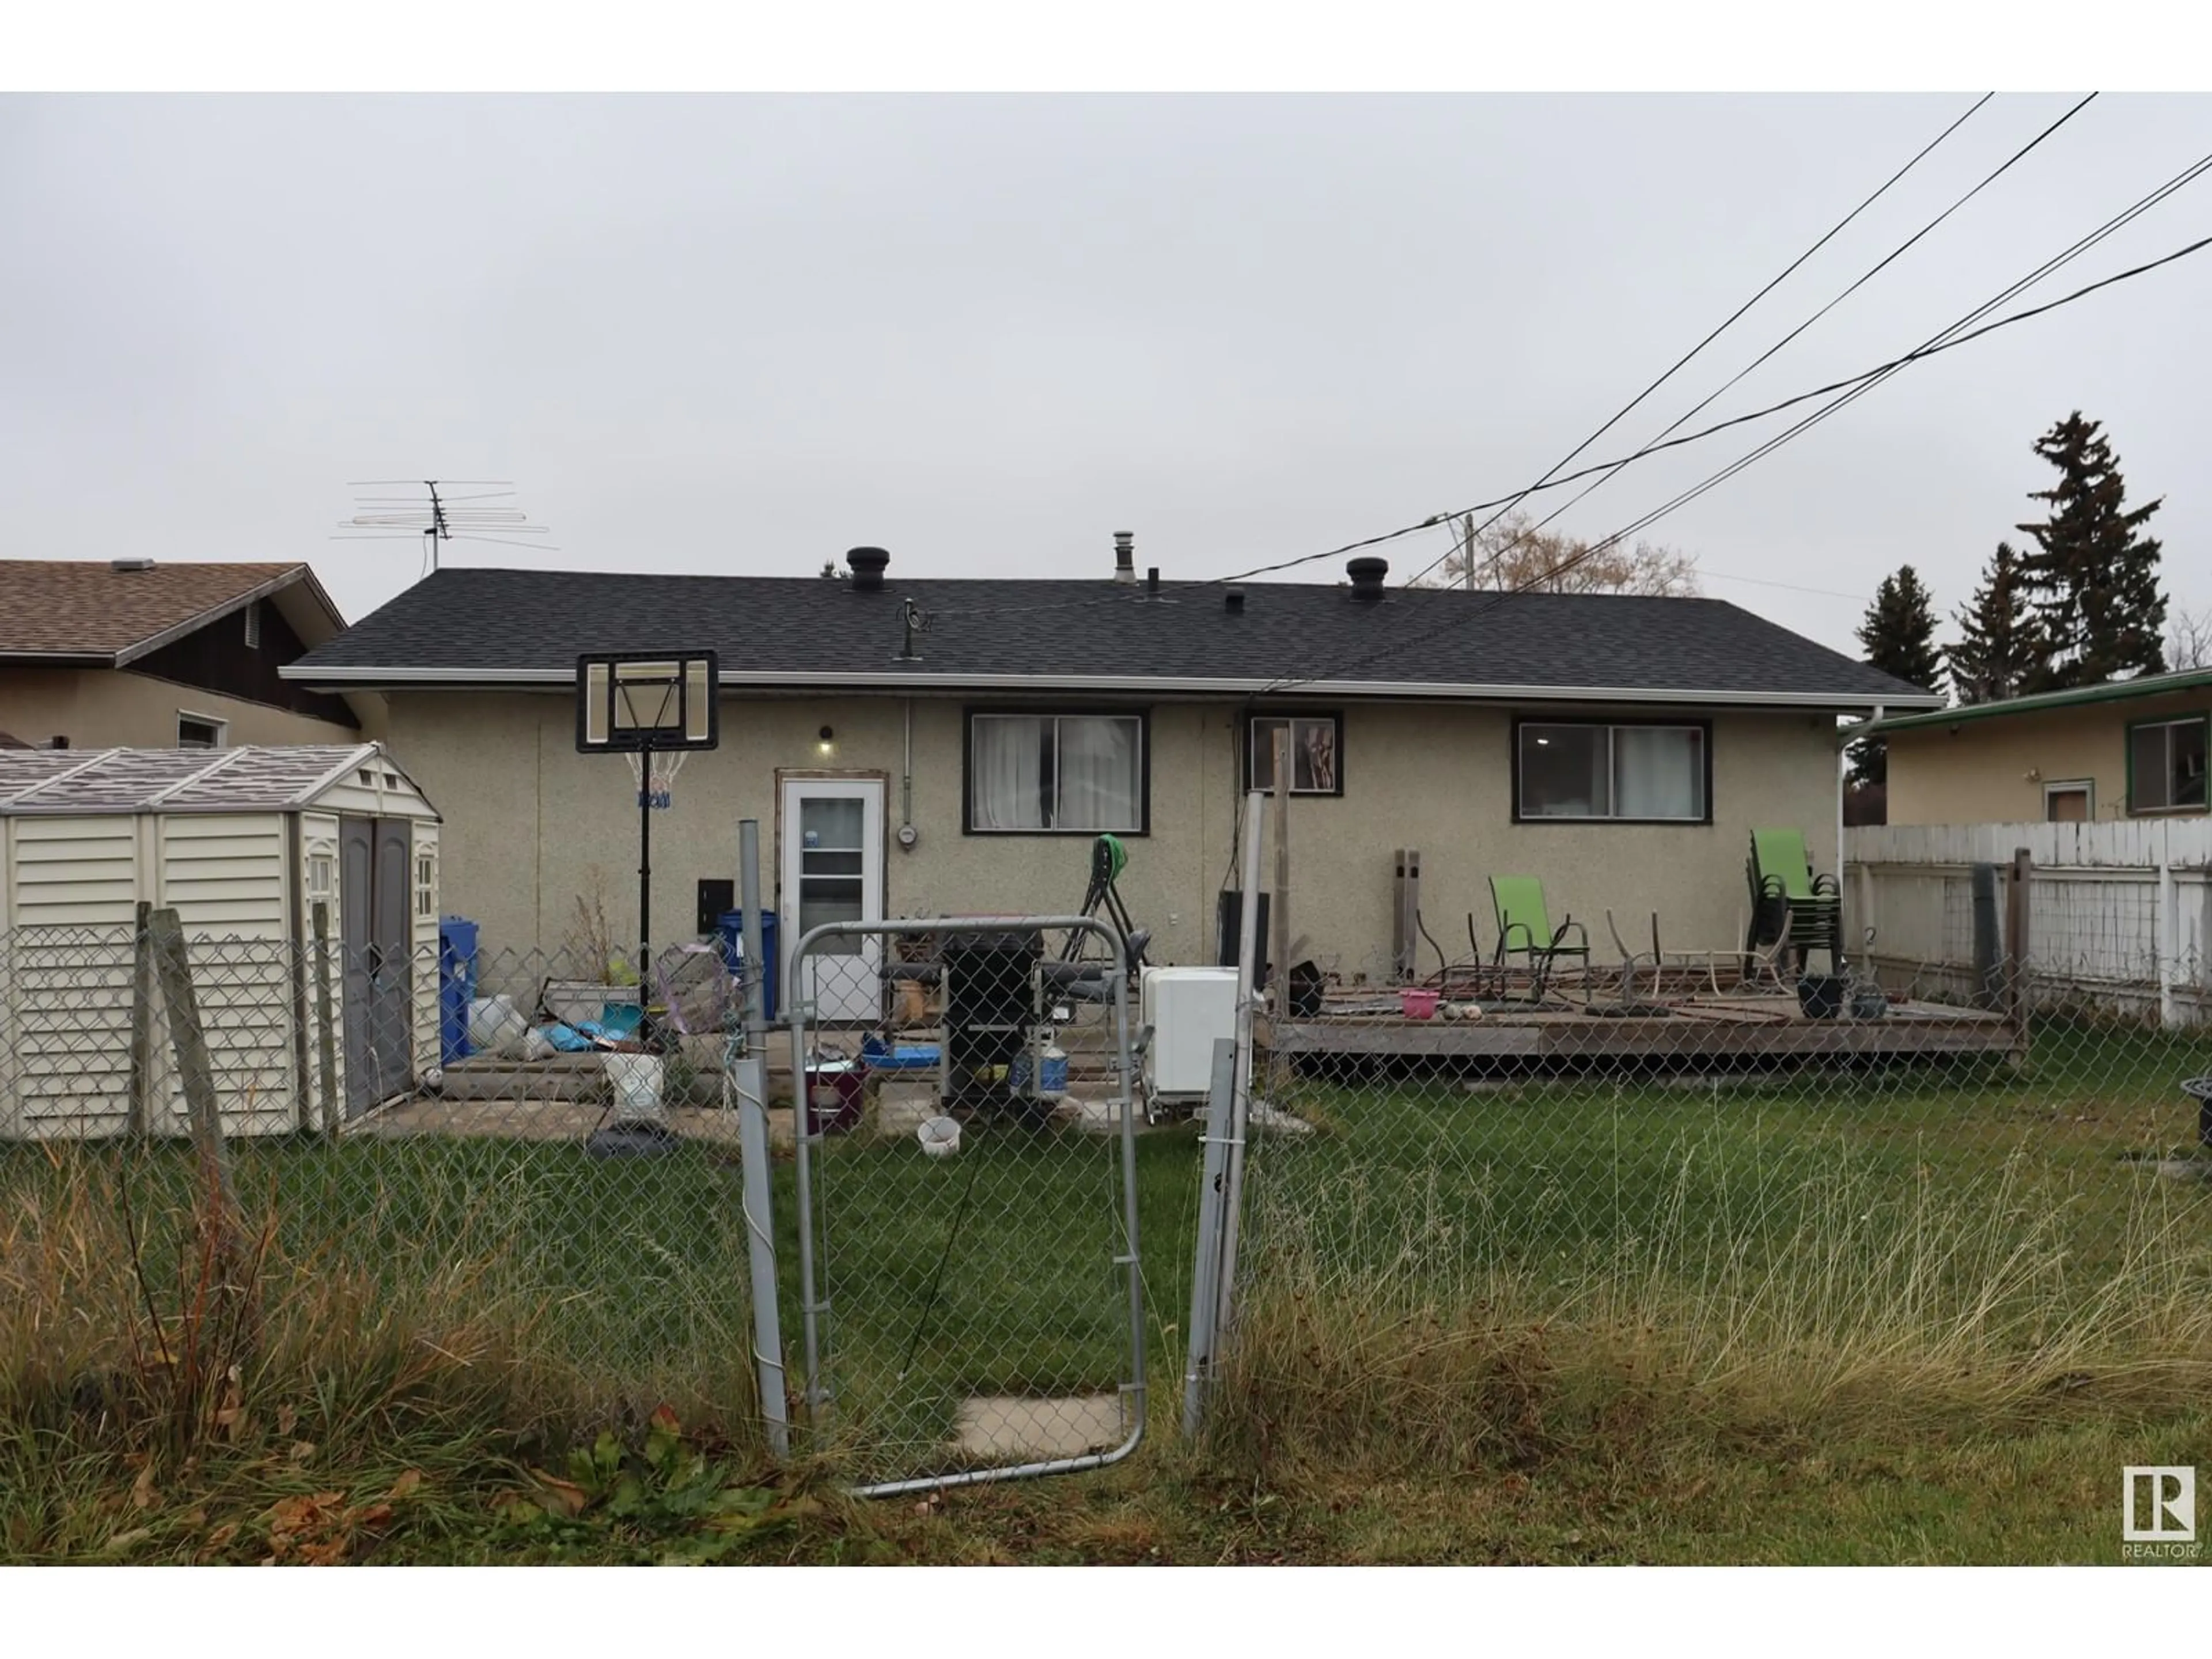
1460	691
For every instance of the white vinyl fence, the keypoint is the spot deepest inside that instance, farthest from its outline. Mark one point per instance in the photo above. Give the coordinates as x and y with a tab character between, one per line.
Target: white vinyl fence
2120	915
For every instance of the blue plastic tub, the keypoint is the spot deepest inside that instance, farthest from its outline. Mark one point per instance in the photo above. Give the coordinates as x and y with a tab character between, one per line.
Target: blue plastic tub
906	1057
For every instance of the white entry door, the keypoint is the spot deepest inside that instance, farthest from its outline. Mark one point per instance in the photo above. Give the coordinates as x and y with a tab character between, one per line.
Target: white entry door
833	871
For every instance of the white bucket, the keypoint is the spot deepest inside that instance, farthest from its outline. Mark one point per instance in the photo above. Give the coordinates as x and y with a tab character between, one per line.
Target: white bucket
939	1137
495	1027
637	1079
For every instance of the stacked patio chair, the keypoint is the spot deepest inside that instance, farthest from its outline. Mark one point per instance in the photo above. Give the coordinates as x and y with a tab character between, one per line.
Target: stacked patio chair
1524	929
1791	907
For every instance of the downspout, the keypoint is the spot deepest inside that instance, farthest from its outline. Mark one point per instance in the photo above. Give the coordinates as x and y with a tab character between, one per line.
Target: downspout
907	834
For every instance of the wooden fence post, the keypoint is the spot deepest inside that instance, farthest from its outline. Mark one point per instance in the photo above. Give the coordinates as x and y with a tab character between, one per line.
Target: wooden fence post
2017	941
326	1042
195	1072
142	1024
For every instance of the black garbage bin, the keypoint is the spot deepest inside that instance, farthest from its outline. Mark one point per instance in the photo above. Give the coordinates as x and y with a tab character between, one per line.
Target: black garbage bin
2199	1089
990	1007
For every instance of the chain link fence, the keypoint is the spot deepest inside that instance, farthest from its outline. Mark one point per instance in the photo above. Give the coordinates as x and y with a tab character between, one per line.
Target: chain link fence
524	1162
970	1295
1469	1190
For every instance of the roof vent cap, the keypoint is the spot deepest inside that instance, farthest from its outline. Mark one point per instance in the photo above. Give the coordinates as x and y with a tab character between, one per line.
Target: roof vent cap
1367	574
868	564
1125	556
1233	601
129	566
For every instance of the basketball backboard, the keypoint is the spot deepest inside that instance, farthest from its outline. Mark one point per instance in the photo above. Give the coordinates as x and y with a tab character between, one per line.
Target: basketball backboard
661	701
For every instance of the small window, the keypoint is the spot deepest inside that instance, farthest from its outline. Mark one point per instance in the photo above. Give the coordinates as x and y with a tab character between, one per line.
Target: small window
196	732
1625	774
1316	753
2166	765
322	876
2069	803
426	884
1056	774
253	626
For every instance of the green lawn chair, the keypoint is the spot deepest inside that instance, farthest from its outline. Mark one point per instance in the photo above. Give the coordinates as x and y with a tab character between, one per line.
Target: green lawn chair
1524	928
1790	905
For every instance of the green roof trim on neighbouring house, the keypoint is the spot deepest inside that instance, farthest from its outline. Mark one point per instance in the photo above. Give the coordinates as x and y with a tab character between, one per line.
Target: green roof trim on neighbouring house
2149	685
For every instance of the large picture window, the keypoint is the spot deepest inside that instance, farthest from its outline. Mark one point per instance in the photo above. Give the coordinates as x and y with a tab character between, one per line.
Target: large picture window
1052	774
2165	764
1316	753
1618	772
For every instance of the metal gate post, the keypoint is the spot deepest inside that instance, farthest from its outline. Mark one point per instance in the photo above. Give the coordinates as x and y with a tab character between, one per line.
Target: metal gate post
1205	1271
751	1079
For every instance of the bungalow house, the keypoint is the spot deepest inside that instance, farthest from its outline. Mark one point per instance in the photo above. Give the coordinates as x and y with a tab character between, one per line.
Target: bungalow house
139	654
1619	748
2127	749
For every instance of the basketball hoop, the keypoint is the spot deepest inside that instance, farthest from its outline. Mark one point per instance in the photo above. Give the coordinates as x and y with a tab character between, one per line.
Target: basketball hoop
654	774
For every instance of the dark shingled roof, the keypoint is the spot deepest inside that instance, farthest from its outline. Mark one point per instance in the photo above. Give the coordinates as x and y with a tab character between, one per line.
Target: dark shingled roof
477	625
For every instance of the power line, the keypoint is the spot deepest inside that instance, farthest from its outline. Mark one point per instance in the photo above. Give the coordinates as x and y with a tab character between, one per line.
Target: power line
1880	265
1864	385
1625	409
1933	349
1776	280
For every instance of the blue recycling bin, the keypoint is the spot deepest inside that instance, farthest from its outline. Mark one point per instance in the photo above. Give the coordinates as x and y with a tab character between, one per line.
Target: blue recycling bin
457	986
732	927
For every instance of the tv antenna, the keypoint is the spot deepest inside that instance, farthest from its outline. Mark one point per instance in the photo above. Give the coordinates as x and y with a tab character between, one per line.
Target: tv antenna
444	517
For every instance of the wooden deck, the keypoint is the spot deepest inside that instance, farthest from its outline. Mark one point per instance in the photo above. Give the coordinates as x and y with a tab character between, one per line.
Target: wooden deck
1729	1028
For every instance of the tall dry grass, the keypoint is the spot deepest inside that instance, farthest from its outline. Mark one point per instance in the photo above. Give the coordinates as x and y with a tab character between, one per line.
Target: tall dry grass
116	1335
1842	1308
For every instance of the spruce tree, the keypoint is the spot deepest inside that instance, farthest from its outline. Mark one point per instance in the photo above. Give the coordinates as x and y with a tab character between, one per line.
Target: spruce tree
2091	583
1998	651
1899	637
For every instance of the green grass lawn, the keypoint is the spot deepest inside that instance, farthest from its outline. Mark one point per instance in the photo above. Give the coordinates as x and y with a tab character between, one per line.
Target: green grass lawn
1722	1281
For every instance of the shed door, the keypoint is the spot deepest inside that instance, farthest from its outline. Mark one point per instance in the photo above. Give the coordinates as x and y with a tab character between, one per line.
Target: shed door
372	893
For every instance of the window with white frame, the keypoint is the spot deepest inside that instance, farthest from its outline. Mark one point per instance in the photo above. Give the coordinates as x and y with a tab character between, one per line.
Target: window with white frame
1630	772
426	884
322	876
2165	764
1316	753
198	732
1056	773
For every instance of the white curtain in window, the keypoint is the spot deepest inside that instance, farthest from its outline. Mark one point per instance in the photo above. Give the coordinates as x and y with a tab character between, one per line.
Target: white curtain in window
1659	772
1098	768
1008	772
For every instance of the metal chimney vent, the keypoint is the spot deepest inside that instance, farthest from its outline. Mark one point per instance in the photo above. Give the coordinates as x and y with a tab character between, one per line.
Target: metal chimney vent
868	564
1367	574
1125	557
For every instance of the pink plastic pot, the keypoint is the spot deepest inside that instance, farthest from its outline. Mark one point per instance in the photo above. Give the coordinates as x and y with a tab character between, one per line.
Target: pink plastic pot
1417	1005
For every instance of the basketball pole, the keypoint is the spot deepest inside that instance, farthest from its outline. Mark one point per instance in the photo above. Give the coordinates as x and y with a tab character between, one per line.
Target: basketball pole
645	872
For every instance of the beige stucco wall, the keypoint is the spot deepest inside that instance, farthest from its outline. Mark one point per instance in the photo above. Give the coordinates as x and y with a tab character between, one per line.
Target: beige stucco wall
108	708
1994	770
529	824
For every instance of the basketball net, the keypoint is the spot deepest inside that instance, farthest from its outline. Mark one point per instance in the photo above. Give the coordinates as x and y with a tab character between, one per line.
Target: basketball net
654	774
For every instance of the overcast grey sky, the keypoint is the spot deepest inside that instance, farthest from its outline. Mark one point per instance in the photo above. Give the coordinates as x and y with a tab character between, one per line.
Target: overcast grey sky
741	334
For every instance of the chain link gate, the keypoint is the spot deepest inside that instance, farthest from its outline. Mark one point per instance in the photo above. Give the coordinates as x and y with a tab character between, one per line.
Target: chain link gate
969	1285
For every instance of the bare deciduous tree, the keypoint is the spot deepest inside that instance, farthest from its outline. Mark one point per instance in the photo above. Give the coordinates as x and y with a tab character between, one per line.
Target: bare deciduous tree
2189	639
1512	556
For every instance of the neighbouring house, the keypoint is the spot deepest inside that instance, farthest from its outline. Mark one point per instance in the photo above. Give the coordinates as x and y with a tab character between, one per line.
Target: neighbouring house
1619	748
2127	749
147	653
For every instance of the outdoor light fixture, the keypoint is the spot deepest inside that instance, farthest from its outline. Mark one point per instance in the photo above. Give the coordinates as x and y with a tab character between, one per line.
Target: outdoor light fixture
828	743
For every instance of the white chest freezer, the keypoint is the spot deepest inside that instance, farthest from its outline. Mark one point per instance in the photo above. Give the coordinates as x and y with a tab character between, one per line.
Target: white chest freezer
1187	1008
